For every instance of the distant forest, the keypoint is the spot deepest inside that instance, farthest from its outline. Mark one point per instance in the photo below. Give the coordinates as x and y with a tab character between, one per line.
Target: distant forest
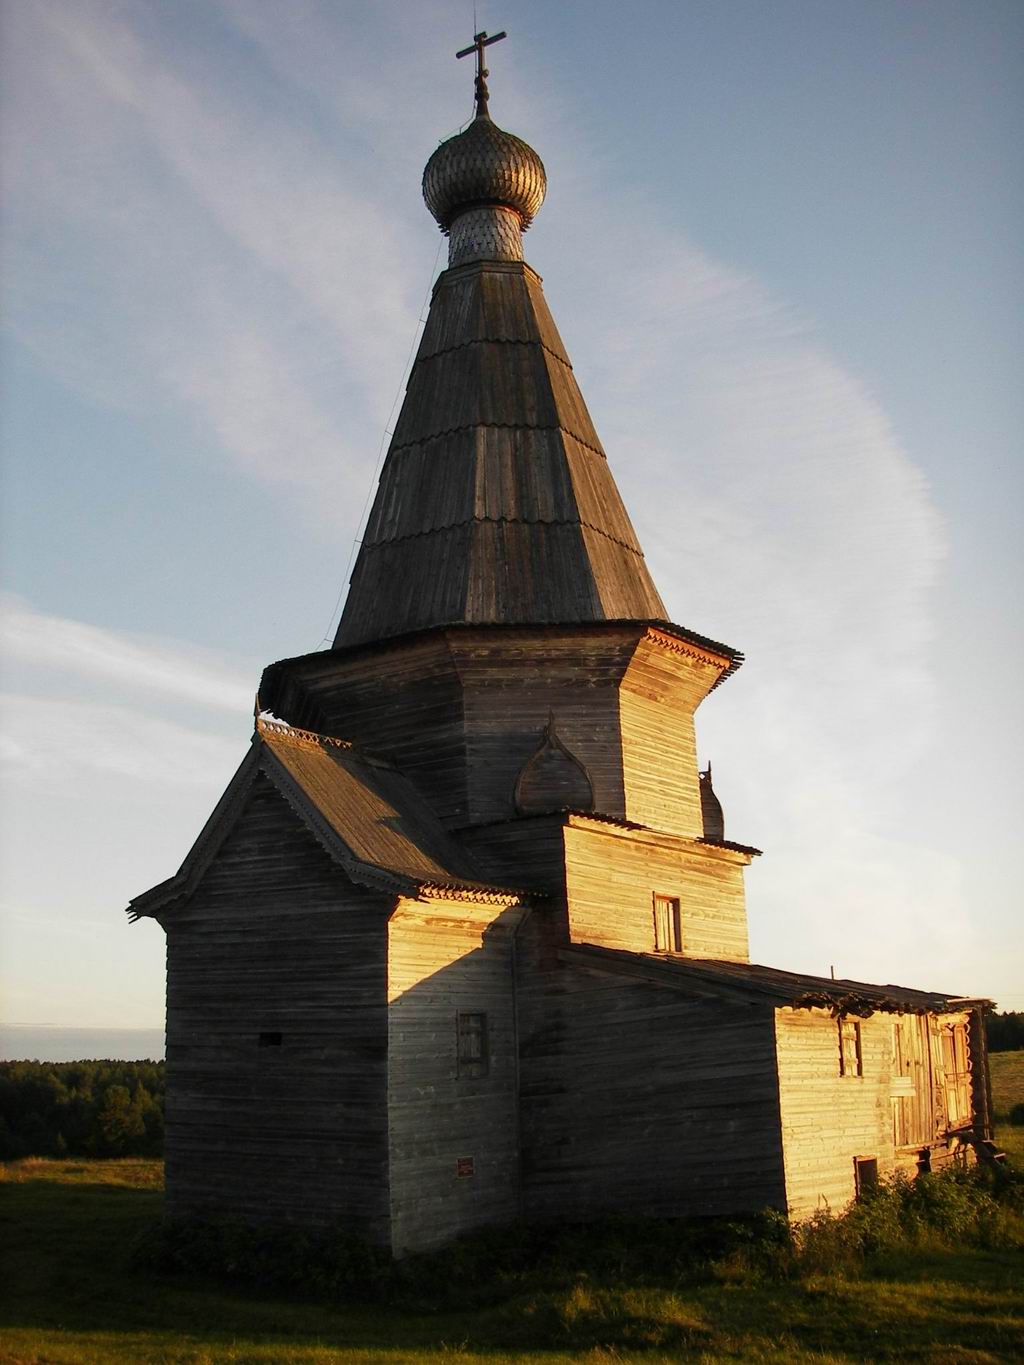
117	1108
1005	1032
81	1109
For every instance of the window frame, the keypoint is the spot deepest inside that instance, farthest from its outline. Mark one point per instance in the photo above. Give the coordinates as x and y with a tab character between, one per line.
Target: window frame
469	1061
850	1066
668	926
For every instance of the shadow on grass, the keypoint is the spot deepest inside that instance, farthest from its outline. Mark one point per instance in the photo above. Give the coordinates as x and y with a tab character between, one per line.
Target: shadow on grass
73	1284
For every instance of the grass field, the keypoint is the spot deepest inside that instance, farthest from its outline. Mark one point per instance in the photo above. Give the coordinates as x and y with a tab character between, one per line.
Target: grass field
71	1294
1007	1090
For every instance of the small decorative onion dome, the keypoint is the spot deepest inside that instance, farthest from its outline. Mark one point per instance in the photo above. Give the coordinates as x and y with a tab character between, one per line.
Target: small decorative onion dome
483	166
711	809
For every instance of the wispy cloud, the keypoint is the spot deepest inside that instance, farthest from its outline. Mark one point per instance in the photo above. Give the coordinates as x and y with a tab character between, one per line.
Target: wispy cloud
43	741
141	664
175	242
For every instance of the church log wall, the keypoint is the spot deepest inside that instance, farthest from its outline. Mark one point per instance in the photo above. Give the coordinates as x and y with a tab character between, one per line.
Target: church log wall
402	701
637	1099
453	1118
661	689
612	876
514	682
277	1034
829	1119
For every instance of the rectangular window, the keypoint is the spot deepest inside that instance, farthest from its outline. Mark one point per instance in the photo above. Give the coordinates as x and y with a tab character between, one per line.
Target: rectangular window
270	1040
851	1061
865	1174
668	925
473	1053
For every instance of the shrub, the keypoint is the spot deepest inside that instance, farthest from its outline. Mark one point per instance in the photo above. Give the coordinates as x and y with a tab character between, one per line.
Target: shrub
955	1208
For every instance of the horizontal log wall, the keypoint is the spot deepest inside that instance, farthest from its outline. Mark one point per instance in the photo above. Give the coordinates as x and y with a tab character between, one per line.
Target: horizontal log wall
526	853
513	683
447	957
660	691
829	1119
277	941
404	702
638	1100
612	876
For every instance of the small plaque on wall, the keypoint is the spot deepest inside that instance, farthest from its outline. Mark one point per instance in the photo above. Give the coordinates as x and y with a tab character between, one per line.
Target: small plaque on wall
464	1166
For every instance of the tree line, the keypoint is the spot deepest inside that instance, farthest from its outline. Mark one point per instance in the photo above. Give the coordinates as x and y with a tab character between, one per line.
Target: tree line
1005	1031
105	1108
96	1108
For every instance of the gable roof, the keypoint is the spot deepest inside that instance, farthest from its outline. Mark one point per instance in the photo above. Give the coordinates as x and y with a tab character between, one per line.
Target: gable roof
496	504
750	983
362	811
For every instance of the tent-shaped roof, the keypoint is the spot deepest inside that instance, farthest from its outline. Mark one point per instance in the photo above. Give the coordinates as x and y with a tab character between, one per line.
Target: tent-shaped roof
496	504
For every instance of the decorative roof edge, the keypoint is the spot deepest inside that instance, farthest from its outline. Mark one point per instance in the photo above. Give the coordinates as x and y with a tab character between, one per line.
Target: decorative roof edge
735	656
261	758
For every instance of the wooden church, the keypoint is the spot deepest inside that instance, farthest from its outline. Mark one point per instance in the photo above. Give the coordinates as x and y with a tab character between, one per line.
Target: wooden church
464	940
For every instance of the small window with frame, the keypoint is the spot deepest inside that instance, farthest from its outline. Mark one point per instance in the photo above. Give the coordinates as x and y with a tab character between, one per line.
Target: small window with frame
668	924
473	1051
851	1056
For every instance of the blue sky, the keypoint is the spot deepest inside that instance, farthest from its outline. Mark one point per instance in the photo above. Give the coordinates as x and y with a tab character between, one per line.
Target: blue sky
782	246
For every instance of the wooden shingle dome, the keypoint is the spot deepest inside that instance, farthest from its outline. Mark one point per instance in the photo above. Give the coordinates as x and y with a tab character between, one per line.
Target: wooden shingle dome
484	166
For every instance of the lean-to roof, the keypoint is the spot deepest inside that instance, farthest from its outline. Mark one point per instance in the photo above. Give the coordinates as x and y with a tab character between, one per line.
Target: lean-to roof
750	983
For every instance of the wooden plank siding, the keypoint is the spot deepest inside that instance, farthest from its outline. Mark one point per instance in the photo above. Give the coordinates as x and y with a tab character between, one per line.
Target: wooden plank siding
446	957
461	713
612	876
661	689
514	683
404	702
528	852
276	941
829	1119
636	1099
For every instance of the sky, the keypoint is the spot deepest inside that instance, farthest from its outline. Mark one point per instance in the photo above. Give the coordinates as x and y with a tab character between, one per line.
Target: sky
782	246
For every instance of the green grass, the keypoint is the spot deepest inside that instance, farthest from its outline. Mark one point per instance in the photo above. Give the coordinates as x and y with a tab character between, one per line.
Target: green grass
71	1294
1007	1070
71	1291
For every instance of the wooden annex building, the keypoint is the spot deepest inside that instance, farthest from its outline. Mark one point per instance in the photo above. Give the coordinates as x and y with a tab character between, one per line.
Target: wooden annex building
464	939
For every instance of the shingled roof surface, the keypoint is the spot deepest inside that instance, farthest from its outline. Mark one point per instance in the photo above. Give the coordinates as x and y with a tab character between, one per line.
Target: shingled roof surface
763	985
496	503
365	814
370	807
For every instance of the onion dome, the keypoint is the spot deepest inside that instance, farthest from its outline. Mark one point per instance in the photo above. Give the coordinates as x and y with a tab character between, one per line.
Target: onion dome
711	809
483	166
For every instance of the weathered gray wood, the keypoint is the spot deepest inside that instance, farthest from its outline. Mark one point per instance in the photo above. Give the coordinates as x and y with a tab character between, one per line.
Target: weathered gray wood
495	503
637	1099
275	940
446	957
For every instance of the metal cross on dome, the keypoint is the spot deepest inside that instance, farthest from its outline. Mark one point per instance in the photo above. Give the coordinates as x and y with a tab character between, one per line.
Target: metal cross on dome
480	41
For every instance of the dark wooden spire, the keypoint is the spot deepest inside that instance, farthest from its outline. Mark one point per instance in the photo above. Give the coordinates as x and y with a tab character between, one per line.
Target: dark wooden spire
496	503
